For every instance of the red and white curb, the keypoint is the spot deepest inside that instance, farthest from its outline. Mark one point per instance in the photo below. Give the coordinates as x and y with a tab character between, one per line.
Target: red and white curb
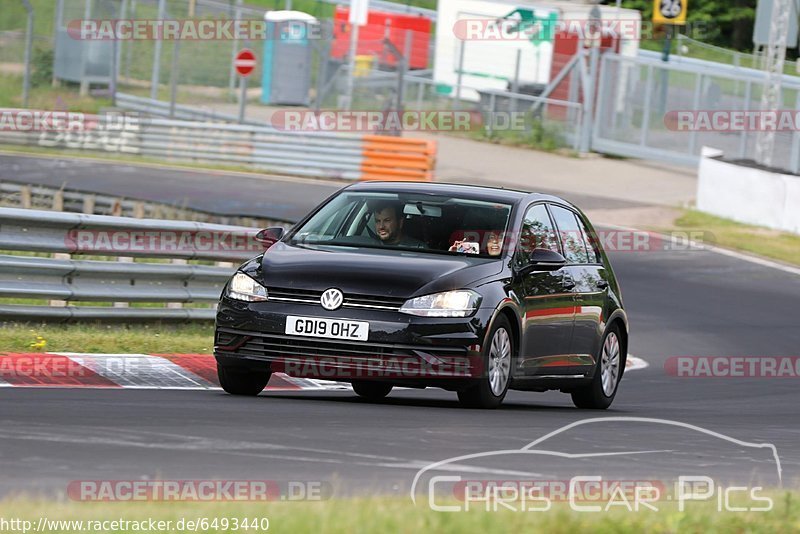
130	371
145	371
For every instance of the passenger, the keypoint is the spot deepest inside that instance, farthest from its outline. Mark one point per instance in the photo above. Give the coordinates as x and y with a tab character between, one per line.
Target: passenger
389	226
494	245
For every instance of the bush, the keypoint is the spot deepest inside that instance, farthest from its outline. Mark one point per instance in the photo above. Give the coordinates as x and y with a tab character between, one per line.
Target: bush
42	74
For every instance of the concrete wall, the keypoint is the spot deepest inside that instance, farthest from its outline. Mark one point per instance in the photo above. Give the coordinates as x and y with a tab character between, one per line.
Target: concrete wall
748	195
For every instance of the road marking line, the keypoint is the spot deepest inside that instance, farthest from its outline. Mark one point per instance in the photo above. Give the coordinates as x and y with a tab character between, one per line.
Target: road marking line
632	363
764	262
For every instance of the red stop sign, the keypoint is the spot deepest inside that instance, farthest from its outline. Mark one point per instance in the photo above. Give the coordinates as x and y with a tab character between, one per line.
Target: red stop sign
245	62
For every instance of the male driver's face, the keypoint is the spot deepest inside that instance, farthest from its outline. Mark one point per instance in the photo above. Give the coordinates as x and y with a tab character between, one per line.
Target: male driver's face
386	225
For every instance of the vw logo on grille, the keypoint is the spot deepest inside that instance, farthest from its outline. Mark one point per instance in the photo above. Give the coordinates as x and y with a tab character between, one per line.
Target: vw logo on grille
331	299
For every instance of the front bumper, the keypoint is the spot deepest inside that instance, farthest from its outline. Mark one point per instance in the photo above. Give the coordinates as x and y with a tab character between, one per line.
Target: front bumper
401	348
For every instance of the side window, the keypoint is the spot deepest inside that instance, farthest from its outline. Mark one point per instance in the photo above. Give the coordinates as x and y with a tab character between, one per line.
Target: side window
537	232
591	243
572	237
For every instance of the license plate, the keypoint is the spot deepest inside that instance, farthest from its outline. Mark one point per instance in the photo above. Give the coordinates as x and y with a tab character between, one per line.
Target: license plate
328	328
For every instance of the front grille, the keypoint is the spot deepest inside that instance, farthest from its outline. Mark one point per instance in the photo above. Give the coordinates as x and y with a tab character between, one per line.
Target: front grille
308	296
283	346
331	359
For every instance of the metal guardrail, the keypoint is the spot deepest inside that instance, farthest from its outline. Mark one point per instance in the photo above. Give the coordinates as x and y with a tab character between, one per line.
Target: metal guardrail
159	108
92	280
313	154
45	197
308	153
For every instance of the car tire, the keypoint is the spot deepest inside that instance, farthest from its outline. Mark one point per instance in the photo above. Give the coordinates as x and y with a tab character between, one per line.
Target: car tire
237	381
371	390
599	394
498	356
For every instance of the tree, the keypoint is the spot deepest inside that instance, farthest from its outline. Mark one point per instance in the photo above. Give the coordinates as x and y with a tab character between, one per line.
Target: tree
730	22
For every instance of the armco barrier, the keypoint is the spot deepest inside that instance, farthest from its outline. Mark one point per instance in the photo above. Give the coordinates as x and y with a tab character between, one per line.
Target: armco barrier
93	280
311	154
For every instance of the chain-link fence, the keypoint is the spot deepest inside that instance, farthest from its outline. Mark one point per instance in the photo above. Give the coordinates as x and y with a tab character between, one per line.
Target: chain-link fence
641	103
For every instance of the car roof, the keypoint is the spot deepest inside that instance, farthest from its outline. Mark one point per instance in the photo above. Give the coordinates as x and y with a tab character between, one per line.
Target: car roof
476	192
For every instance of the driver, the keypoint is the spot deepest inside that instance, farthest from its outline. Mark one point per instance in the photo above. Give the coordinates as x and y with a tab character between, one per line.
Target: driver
388	218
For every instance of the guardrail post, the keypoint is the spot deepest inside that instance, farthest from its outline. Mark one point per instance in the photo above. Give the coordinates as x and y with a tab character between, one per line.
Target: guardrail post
123	259
25	196
59	256
177	305
58	200
88	204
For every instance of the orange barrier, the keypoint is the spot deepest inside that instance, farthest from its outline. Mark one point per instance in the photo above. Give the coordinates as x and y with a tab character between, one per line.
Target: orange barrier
397	159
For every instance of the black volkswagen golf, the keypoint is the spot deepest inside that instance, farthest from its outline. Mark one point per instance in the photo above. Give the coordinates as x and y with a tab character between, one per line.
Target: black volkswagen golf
472	289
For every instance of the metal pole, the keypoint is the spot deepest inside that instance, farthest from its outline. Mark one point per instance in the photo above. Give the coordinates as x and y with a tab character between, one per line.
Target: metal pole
648	91
87	14
515	83
664	81
123	13
490	120
129	50
173	78
698	90
771	97
588	100
402	69
351	66
26	83
157	54
460	73
232	75
322	72
794	158
748	95
242	98
112	81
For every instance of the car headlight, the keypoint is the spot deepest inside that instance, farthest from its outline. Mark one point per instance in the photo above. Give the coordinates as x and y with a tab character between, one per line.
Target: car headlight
242	287
460	303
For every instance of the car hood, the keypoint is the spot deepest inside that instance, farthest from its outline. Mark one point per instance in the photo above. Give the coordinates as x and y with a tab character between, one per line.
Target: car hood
390	273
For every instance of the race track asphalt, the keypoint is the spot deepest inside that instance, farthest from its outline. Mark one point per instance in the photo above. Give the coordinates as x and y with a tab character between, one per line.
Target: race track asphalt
680	303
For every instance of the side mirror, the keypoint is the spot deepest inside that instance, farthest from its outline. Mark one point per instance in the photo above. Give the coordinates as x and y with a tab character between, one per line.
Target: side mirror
544	259
269	236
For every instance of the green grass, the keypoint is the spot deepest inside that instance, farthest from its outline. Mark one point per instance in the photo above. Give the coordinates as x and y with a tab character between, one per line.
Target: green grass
539	136
146	338
65	97
391	515
781	246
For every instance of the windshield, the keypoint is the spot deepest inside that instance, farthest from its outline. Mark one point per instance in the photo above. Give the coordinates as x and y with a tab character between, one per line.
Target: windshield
424	223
